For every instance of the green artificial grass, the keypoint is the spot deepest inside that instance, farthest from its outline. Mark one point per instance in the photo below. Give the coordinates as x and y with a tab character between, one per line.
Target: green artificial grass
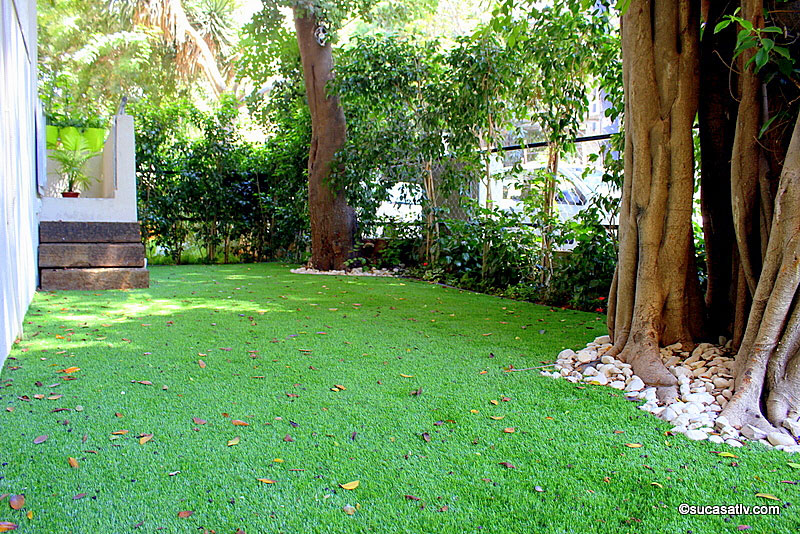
274	344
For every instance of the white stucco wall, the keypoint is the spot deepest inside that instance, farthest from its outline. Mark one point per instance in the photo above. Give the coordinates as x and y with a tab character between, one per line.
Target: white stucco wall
117	173
19	120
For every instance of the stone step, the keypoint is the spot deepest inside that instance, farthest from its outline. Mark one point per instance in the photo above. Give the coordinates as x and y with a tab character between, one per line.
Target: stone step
94	279
91	255
89	232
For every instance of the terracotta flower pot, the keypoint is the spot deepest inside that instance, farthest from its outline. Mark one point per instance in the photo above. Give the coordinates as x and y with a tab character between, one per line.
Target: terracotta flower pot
70	194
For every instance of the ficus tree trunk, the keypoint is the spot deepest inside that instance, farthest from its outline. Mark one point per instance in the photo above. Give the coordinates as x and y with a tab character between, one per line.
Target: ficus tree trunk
655	297
332	219
768	361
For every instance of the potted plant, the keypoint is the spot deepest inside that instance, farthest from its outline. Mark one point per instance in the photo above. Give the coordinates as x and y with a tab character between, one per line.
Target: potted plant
72	151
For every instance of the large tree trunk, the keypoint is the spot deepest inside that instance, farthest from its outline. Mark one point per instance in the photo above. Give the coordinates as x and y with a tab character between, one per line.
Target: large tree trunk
332	219
768	362
655	297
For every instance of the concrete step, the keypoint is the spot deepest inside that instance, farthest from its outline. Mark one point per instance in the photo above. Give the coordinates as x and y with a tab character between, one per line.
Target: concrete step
91	255
89	232
95	279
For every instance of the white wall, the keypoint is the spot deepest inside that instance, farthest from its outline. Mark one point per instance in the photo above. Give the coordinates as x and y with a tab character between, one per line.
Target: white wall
18	166
118	186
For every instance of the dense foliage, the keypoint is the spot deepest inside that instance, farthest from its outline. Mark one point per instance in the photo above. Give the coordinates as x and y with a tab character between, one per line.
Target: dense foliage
216	191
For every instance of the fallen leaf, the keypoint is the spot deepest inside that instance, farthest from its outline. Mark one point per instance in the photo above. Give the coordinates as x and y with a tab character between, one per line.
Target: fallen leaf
426	437
633	445
287	438
656	484
173	473
278	460
234	441
793	465
39	396
508	465
495	402
767	496
78	496
144	439
411	498
70	370
266	480
144	382
6	526
72	462
731	455
29	515
350	485
538	489
349	510
237	422
473	411
185	513
16	501
416	392
341	388
201	363
406	376
443	508
119	432
198	421
40	439
117	414
509	430
54	397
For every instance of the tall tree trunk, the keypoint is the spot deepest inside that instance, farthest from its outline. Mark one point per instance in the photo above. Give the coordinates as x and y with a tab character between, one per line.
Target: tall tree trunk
332	219
768	362
655	298
717	114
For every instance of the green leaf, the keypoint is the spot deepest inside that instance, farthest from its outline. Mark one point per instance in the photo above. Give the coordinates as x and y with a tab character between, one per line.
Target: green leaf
71	139
721	25
761	58
793	465
767	125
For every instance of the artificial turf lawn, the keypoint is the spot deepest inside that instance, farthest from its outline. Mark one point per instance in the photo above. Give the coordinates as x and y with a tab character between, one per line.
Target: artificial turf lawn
274	345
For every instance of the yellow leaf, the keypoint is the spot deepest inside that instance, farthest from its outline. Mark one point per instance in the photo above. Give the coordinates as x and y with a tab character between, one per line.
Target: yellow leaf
72	462
656	484
119	432
201	363
494	402
266	481
509	430
29	515
729	455
496	417
633	445
234	441
342	388
767	496
144	439
406	376
278	460
350	485
473	411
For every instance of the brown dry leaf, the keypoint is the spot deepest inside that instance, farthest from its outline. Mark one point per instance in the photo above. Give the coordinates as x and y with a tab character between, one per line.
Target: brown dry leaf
426	437
633	445
509	430
185	513
237	422
78	496
497	417
70	370
119	432
16	501
287	438
144	382
40	439
145	438
234	441
117	414
350	485
266	480
443	508
508	465
72	462
198	421
341	388
39	396
201	363
7	526
54	397
411	498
